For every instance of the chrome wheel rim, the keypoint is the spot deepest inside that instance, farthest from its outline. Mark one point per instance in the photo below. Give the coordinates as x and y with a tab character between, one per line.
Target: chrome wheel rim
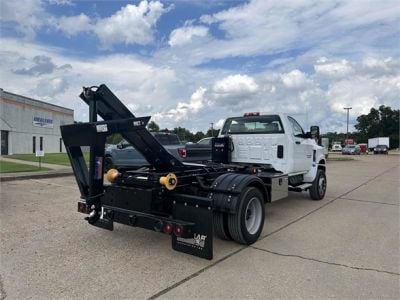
253	215
321	186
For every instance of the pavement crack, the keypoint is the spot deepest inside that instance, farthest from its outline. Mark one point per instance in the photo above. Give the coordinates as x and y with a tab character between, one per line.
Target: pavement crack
377	202
166	290
324	262
3	294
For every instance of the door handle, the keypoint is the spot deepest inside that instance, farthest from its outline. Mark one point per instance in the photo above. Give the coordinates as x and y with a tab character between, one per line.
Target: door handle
297	142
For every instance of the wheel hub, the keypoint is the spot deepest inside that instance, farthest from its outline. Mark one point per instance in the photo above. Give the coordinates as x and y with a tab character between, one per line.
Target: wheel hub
253	215
321	186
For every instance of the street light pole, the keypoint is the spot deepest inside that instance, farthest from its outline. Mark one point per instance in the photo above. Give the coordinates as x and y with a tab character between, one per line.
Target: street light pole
212	129
347	130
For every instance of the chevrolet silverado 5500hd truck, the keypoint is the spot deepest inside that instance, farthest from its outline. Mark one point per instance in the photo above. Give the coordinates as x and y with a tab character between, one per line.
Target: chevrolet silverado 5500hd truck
256	159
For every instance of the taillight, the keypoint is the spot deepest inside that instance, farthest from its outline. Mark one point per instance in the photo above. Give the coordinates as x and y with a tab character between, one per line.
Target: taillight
182	152
178	231
252	114
168	228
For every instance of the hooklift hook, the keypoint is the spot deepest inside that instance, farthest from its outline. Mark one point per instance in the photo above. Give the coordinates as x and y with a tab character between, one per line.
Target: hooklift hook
170	181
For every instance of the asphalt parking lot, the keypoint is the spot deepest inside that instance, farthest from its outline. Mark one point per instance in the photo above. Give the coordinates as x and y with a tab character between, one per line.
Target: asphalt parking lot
345	246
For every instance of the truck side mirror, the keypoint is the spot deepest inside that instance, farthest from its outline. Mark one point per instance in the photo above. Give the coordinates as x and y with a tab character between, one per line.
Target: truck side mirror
314	130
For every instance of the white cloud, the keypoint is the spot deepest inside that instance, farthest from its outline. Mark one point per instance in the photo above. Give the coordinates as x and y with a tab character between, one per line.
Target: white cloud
337	69
184	35
184	109
60	2
131	24
262	27
75	24
363	92
134	81
29	15
235	85
167	87
295	80
148	89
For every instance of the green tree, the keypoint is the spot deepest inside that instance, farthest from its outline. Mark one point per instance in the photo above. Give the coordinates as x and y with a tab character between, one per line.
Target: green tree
184	134
380	122
198	136
153	126
114	138
212	132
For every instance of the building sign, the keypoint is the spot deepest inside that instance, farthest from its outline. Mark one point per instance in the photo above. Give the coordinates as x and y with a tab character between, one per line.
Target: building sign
39	153
42	122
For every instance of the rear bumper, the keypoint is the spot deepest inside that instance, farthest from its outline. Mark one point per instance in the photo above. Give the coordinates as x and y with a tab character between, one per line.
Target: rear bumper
190	225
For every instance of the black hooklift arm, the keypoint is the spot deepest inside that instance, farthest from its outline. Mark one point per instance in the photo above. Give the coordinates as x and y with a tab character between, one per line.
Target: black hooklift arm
109	107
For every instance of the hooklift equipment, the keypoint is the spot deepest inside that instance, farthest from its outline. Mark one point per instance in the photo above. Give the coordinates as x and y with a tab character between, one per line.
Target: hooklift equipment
190	202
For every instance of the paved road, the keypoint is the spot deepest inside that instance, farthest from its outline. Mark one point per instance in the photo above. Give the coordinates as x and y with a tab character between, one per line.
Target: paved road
346	246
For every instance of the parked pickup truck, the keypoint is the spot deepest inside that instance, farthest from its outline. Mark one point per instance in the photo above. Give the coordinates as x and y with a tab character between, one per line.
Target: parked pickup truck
124	155
200	151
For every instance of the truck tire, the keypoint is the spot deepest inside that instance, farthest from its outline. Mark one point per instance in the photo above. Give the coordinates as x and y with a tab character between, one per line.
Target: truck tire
318	188
220	222
108	164
247	224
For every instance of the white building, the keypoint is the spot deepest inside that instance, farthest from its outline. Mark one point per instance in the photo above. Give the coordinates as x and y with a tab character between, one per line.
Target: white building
28	125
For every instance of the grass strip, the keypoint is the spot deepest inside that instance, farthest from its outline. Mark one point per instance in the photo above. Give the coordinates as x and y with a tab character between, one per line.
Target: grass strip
10	167
49	158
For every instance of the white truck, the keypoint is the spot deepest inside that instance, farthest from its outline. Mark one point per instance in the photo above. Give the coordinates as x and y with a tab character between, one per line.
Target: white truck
256	159
372	143
278	142
336	147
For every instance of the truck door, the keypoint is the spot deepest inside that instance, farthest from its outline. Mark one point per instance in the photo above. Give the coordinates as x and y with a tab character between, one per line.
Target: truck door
302	151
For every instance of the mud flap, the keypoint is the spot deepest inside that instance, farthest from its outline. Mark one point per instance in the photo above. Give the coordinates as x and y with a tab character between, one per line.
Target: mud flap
199	241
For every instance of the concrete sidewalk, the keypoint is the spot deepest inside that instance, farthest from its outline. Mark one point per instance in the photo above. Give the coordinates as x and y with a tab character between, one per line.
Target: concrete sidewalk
55	170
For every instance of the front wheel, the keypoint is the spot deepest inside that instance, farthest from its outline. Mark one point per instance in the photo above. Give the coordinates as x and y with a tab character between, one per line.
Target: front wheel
318	188
247	224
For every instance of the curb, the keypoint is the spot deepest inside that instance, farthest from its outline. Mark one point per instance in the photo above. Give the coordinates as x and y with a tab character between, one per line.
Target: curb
16	176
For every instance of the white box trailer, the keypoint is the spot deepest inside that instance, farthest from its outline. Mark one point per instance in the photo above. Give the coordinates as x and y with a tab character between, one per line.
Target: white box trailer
372	143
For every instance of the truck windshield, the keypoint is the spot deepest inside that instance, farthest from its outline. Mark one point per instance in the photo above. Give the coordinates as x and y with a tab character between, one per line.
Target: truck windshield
167	139
253	124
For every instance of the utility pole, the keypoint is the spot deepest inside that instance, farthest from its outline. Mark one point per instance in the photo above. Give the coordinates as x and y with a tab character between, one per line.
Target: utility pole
212	129
347	130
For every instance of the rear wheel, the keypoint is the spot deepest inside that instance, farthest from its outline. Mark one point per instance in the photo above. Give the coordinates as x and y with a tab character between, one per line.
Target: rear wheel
318	188
247	224
220	222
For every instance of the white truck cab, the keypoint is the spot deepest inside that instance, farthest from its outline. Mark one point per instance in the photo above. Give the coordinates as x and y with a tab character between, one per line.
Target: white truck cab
277	141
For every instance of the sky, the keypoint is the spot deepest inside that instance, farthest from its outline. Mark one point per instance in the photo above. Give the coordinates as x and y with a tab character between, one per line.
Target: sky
191	63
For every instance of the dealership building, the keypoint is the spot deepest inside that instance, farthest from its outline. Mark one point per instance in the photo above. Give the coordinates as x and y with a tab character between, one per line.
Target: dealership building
28	125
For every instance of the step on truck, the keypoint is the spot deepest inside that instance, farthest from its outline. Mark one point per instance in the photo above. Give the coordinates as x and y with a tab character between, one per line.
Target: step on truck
256	159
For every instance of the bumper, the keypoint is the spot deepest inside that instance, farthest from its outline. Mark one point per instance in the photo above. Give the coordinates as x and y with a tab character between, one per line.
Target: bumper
193	237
